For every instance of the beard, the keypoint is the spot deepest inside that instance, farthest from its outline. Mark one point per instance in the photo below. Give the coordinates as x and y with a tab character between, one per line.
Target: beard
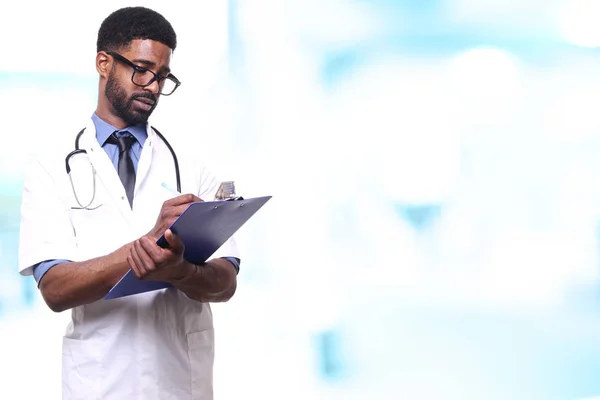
124	107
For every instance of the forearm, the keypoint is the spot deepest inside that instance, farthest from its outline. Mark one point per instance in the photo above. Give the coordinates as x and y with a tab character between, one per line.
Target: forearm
215	281
73	284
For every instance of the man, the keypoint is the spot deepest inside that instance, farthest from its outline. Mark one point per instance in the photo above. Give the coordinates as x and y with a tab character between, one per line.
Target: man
82	231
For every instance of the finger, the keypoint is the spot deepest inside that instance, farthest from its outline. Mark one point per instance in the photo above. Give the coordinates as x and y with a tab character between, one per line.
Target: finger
175	212
190	198
131	262
135	258
160	256
150	247
147	265
170	211
147	258
175	243
183	199
169	215
133	266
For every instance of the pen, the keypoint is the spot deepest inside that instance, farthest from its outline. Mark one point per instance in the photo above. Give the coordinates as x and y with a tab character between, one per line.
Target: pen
170	189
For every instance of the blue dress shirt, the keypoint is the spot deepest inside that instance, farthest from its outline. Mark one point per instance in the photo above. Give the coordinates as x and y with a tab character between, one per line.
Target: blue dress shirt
103	131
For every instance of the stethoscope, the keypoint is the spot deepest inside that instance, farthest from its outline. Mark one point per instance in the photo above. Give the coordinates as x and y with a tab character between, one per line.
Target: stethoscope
81	151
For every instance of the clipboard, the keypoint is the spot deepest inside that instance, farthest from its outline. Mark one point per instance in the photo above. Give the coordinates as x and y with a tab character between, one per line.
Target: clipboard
203	227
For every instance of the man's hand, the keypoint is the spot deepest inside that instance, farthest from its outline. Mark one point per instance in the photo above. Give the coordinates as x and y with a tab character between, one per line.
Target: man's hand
213	281
170	211
149	261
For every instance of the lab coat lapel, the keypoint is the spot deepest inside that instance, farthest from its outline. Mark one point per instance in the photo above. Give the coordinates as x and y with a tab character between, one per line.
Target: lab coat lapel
106	172
143	168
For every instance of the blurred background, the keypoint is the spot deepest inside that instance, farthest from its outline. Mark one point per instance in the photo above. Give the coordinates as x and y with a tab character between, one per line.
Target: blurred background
434	231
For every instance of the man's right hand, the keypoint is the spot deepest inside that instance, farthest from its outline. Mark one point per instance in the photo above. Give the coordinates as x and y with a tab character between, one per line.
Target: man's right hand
170	211
73	284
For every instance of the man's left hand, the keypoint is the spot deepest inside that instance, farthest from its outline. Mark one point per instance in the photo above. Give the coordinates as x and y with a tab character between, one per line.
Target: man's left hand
153	263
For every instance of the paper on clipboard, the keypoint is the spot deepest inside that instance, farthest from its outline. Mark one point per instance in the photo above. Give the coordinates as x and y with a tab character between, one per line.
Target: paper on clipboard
203	227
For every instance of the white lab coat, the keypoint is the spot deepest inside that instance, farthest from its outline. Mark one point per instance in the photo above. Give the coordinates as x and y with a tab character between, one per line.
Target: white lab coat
157	345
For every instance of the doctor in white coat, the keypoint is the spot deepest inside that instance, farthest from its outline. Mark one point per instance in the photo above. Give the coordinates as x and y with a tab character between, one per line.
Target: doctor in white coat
82	231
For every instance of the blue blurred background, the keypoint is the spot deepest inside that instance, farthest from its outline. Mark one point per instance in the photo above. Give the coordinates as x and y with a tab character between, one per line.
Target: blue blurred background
434	231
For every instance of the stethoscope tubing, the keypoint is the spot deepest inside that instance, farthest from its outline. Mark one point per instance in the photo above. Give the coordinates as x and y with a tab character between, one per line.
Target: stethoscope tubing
83	151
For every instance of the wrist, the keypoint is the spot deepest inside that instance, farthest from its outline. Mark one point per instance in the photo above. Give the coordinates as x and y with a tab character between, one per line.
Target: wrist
181	272
222	272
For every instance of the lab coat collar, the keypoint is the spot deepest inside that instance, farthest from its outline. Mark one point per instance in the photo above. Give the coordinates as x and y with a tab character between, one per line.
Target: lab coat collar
104	130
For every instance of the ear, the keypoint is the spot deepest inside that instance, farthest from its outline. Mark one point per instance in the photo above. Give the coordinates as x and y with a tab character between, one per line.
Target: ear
103	64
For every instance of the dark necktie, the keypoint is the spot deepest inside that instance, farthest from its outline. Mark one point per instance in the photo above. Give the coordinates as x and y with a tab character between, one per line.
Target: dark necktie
125	165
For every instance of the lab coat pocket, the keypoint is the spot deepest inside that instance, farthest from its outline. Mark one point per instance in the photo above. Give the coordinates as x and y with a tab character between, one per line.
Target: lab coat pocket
201	352
82	372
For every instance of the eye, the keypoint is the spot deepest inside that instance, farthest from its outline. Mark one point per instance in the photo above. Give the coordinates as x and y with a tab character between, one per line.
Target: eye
141	70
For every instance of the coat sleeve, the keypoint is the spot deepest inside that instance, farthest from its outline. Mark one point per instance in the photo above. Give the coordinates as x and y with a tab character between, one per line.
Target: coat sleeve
46	232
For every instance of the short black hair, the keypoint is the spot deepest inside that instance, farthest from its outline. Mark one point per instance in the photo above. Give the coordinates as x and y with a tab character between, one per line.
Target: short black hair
130	23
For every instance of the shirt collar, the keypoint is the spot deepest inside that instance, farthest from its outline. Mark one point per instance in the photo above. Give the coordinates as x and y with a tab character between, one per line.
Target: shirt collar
104	130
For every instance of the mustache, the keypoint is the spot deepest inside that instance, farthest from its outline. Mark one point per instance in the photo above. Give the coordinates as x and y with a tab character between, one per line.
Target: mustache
148	96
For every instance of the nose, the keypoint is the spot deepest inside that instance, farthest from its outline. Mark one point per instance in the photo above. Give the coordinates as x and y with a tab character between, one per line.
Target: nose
154	87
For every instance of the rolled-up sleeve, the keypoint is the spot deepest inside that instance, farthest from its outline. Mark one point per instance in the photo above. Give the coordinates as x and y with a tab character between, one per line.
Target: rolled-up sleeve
40	269
46	232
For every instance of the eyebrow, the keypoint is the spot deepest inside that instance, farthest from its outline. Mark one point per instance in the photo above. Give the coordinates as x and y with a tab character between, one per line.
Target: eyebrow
151	64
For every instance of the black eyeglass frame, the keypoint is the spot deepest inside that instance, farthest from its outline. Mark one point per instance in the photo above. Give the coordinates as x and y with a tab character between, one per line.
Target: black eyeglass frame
137	68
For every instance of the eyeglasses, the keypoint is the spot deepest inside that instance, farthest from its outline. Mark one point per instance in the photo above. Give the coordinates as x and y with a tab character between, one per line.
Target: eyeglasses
143	77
